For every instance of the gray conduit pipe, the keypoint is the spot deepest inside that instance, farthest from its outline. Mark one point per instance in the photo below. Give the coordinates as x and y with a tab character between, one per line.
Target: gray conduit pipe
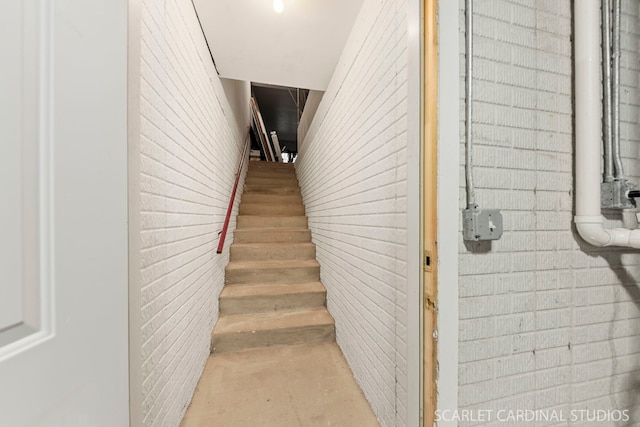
615	96
606	77
471	197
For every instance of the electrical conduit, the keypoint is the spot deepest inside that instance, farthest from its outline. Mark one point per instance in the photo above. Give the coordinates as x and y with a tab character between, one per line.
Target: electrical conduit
471	197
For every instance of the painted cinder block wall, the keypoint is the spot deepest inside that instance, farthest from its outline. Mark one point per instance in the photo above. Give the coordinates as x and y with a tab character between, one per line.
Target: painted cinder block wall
190	145
545	321
352	170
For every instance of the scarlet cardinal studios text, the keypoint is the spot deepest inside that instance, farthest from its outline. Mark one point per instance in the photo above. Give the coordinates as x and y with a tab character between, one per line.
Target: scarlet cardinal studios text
530	415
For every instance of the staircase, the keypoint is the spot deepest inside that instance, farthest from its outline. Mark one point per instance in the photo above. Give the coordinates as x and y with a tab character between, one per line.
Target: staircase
272	293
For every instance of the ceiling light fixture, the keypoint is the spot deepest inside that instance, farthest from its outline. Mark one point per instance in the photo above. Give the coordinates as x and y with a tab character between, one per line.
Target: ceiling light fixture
278	6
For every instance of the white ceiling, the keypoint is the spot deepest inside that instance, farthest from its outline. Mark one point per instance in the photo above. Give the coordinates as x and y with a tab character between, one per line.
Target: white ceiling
299	47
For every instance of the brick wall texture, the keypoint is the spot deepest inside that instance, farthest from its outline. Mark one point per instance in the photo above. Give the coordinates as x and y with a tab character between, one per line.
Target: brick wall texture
352	169
189	151
546	322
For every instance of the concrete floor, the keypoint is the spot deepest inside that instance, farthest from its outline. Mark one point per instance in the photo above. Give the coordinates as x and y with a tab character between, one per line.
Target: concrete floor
287	386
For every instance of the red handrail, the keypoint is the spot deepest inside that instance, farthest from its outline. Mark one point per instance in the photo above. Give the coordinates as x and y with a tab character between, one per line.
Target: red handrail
223	233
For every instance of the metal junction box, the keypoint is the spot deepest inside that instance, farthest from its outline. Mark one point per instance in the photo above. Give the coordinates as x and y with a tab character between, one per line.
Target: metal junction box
481	224
613	195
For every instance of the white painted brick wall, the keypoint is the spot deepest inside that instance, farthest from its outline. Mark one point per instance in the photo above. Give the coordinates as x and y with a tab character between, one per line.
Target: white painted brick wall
545	321
352	170
190	147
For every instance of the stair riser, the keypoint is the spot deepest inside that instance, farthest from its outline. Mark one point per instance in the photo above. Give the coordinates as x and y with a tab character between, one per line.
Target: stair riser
285	236
240	253
272	275
277	182
283	199
266	209
255	221
290	336
270	189
271	165
276	173
265	304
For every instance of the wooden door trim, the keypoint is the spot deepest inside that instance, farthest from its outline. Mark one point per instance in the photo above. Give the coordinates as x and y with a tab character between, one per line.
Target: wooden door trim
430	209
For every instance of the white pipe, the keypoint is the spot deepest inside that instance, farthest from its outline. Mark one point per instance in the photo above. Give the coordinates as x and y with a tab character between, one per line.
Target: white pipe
588	219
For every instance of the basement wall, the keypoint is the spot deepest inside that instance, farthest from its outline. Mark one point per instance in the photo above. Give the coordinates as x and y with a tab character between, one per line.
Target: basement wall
190	145
352	170
310	108
238	93
545	321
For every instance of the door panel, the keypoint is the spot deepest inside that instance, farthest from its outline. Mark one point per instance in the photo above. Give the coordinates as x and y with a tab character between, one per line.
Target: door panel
63	213
23	307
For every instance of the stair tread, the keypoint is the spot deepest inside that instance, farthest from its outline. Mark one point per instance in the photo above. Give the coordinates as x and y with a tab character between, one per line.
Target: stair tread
287	209
271	234
267	189
270	229
235	323
275	175
278	218
259	163
272	204
284	222
274	170
273	198
242	265
286	173
268	245
262	186
270	289
266	173
273	182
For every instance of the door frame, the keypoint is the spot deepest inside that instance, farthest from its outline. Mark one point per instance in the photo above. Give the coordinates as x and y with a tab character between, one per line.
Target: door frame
134	41
414	211
440	151
429	243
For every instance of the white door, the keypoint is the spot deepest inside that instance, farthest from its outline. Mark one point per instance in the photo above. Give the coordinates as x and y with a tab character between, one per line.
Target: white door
63	213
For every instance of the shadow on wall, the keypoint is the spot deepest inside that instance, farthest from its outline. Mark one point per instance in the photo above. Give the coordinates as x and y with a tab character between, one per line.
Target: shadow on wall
628	290
630	286
480	247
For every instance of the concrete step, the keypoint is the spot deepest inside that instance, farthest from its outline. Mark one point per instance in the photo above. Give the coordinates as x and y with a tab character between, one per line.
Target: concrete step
280	199
271	181
264	298
251	272
272	251
258	221
270	165
270	209
271	235
285	173
242	331
271	189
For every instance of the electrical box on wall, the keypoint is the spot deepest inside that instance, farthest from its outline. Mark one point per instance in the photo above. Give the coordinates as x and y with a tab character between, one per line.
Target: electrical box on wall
481	224
615	195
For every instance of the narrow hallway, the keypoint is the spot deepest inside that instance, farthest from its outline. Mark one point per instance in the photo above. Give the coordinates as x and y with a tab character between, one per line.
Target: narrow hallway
273	347
192	290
